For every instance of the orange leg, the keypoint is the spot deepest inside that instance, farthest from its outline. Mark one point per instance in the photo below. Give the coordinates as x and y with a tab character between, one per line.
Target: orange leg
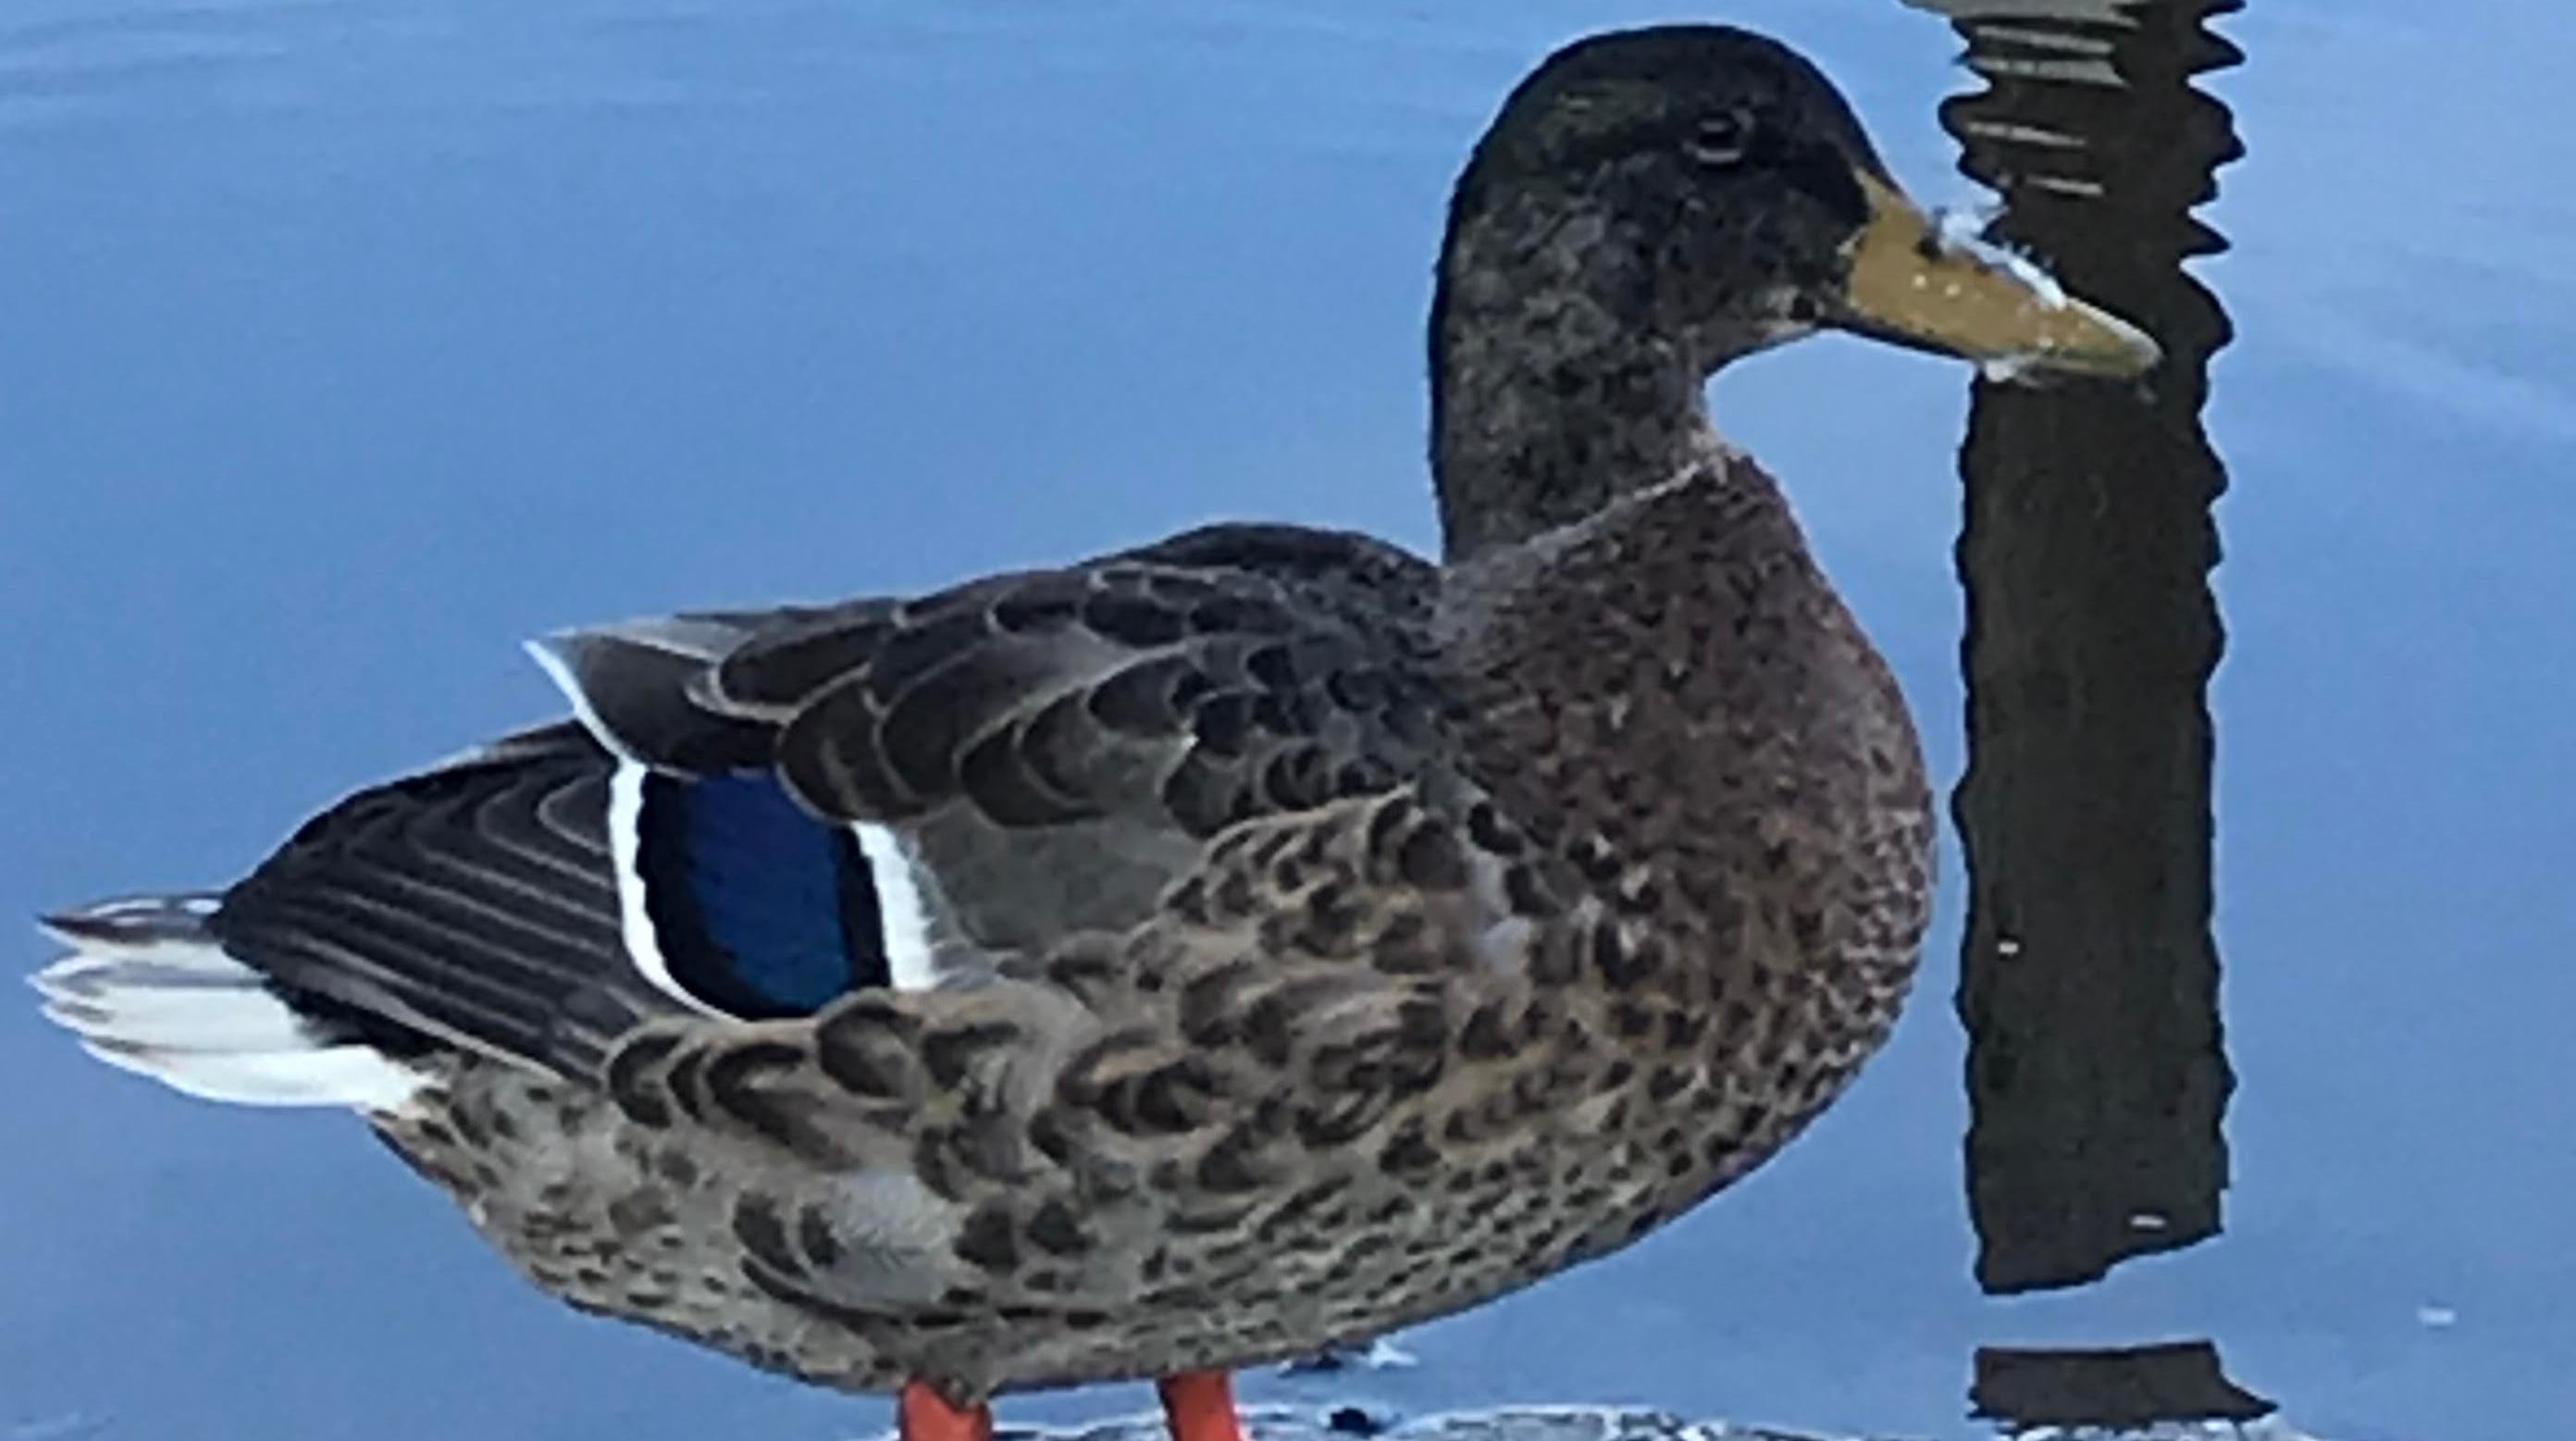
1199	1406
922	1414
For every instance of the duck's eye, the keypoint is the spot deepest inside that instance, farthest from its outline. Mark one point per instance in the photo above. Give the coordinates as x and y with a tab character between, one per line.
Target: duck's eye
1721	139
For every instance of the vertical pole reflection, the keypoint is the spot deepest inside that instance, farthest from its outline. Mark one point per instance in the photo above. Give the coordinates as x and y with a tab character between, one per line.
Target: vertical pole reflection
2089	983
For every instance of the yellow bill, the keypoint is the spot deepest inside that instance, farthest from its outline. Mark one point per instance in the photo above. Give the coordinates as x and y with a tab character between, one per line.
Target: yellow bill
1910	284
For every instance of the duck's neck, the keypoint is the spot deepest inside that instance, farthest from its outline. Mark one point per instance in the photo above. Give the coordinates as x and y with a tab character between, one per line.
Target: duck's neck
1549	397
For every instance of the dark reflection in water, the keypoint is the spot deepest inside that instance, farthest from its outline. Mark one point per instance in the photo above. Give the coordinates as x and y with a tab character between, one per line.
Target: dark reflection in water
2089	983
2134	1387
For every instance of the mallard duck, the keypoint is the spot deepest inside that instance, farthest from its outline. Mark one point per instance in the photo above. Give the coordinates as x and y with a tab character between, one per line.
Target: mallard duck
1211	952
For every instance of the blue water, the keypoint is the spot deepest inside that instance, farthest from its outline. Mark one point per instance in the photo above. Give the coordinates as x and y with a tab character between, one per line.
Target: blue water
343	345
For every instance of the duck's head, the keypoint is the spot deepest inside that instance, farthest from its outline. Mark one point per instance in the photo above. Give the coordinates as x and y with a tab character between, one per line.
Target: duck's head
1708	188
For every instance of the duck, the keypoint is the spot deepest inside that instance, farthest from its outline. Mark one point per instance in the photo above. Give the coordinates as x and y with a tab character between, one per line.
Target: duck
1209	953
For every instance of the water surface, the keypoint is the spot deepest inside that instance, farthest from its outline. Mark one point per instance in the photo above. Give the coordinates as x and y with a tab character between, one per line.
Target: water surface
345	345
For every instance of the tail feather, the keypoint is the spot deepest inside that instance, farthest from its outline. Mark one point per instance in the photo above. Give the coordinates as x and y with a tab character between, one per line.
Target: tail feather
147	988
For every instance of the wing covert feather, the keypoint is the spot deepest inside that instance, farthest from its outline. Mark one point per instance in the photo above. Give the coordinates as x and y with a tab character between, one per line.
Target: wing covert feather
1056	746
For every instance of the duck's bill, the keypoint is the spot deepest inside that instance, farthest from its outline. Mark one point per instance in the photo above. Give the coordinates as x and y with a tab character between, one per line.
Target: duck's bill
1911	284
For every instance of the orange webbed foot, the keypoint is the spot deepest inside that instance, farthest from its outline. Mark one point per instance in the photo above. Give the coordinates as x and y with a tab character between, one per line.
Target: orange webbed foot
922	1414
1199	1406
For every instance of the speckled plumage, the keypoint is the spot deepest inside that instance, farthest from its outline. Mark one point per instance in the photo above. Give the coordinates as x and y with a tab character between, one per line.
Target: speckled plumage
1320	939
1448	994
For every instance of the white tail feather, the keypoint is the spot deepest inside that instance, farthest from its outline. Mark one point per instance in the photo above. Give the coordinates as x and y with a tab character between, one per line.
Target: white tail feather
191	1018
147	990
349	1075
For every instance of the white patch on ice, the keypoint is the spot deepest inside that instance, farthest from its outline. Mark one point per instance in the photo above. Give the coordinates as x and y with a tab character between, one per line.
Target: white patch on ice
1384	1355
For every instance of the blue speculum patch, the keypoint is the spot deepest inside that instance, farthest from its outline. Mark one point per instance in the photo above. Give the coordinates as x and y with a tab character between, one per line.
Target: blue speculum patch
761	910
